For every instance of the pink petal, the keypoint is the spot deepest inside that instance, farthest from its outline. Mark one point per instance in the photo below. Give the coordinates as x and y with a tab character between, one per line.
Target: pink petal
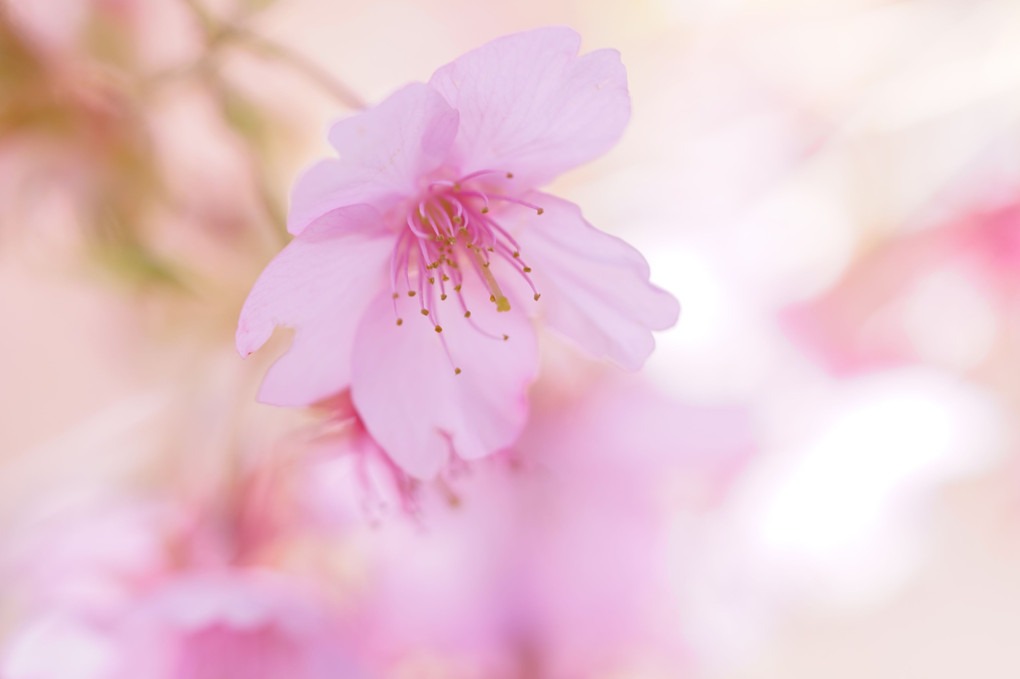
529	105
384	152
595	288
319	285
412	402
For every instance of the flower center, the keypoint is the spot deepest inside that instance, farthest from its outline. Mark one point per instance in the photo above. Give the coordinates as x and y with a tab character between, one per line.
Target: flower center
449	232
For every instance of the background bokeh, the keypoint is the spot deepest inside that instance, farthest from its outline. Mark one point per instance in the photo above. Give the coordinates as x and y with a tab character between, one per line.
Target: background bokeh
831	188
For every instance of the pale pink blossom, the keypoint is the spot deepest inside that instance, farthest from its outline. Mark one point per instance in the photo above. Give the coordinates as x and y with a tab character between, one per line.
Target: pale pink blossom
422	251
562	557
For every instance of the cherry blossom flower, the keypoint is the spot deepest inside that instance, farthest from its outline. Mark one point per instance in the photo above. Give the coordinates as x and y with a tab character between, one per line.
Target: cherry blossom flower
421	253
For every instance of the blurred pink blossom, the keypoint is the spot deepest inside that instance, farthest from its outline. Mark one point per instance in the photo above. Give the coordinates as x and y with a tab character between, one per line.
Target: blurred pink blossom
62	27
141	590
877	315
434	197
235	624
204	625
562	557
347	461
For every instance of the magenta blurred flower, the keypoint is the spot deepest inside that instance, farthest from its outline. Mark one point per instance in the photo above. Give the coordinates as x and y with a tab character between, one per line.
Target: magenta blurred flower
432	209
136	591
890	307
191	626
235	624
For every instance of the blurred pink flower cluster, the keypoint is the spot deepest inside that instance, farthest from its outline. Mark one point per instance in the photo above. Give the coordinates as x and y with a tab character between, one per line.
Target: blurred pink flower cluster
375	540
554	558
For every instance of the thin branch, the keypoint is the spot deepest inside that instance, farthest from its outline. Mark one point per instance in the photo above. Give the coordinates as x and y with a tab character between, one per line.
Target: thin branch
300	63
204	17
222	33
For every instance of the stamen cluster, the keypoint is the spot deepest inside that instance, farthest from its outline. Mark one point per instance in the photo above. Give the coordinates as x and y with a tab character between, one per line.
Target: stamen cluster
449	231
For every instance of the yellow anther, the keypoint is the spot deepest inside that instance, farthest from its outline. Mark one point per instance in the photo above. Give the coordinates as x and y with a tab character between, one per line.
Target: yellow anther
400	321
442	296
467	314
540	210
492	298
439	328
491	249
527	269
411	293
509	175
506	337
445	278
456	371
537	295
516	255
396	294
424	312
432	280
485	209
457	287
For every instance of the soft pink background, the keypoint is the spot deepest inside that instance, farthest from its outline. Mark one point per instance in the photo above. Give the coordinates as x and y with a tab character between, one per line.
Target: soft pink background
787	168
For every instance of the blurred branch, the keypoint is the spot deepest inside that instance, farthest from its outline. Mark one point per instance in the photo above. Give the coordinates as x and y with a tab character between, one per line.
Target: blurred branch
247	120
221	33
302	64
204	17
240	114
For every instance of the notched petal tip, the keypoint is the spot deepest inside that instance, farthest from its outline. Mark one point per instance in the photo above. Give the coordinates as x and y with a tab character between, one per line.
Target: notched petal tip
533	106
249	339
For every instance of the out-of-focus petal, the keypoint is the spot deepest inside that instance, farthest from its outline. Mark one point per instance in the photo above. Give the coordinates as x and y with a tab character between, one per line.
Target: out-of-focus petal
384	152
319	285
59	647
237	624
529	105
595	287
412	402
